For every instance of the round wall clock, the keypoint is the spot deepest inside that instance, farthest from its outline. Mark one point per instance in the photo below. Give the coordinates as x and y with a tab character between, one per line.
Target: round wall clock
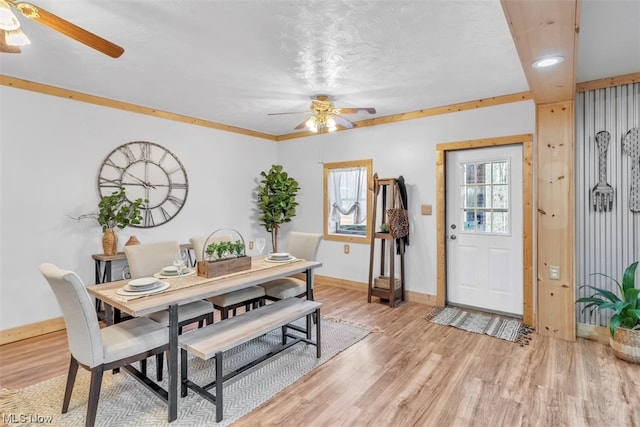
148	171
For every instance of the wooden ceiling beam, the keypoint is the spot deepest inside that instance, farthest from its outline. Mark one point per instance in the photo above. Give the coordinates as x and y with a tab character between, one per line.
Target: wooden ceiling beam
543	28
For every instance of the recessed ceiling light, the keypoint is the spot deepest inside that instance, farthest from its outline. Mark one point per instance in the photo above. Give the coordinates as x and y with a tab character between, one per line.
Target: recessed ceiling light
547	61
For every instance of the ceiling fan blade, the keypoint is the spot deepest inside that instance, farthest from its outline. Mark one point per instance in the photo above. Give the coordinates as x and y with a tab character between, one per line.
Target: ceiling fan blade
341	121
56	23
293	112
302	125
4	47
355	110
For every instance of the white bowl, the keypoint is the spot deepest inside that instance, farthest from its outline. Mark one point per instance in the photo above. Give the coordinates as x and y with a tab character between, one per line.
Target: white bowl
280	255
142	282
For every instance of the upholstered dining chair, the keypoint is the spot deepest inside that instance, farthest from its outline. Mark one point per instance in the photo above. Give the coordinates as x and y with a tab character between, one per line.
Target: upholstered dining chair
252	296
99	350
300	245
146	260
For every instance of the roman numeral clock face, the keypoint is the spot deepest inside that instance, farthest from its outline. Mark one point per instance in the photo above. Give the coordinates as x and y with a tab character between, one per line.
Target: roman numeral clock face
148	171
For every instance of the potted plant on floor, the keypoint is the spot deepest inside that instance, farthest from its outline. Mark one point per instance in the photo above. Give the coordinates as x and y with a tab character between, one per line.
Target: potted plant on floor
624	324
276	200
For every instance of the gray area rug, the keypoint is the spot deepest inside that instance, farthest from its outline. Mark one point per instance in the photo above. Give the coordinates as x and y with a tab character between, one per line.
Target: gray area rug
503	328
125	402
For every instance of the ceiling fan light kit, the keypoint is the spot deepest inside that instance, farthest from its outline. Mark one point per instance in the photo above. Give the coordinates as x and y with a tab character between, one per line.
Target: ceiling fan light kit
8	21
14	37
325	117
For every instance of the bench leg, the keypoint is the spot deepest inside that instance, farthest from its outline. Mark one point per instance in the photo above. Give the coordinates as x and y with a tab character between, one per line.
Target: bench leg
219	381
318	341
183	372
284	335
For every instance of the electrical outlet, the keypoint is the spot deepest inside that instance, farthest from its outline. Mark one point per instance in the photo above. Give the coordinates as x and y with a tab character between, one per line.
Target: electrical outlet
250	244
347	249
554	272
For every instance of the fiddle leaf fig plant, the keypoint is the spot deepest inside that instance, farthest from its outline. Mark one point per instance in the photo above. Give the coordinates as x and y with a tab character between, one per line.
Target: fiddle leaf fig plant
276	200
626	307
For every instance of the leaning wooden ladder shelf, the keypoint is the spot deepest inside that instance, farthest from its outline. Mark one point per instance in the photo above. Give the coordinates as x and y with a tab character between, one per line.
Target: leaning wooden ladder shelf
385	286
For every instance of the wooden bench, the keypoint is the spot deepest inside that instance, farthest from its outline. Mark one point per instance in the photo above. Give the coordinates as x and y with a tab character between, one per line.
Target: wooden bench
213	340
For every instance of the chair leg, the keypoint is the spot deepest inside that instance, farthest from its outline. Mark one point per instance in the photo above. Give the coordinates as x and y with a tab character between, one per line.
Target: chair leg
71	379
159	366
94	394
210	318
225	313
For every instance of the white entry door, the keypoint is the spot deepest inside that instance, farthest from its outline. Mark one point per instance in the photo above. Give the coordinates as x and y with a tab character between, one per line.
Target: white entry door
484	228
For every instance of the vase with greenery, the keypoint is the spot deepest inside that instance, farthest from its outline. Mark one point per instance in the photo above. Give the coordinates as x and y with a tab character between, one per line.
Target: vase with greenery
624	323
276	200
114	211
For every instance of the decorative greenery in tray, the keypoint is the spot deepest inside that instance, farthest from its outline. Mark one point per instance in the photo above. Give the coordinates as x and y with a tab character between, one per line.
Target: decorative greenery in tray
217	251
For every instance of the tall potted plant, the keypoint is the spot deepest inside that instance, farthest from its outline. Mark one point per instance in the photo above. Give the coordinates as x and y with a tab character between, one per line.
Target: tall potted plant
115	211
276	200
624	323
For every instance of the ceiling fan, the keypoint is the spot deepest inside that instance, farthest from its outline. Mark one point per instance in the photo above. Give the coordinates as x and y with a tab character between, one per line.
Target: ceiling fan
12	37
326	117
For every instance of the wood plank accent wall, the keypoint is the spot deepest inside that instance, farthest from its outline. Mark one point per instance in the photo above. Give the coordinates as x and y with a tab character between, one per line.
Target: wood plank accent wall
556	219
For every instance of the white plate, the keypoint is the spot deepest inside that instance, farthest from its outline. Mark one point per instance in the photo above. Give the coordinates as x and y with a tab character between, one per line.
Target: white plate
172	269
291	258
162	287
187	272
142	282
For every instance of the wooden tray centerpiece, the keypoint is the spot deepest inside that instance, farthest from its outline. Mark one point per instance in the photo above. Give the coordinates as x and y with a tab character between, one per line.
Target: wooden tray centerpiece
223	254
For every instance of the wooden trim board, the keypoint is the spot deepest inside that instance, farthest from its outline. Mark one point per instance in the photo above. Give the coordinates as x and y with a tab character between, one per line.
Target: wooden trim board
32	330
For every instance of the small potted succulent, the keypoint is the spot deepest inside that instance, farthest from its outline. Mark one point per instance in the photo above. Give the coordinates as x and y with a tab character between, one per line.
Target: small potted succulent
624	323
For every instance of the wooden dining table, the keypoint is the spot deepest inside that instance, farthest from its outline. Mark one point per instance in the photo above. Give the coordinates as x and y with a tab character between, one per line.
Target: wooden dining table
192	288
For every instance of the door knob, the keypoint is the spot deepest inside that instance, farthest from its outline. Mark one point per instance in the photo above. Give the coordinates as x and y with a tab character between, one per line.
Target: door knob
452	237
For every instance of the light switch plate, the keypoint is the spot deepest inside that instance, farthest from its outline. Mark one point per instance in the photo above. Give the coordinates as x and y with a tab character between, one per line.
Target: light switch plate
554	272
426	209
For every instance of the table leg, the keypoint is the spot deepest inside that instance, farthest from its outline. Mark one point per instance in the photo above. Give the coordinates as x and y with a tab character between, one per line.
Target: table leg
310	297
172	362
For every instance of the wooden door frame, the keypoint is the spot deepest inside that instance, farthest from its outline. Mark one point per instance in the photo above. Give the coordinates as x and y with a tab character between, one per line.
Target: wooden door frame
526	140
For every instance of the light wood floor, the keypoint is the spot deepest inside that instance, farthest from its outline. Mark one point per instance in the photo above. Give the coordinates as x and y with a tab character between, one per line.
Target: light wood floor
415	373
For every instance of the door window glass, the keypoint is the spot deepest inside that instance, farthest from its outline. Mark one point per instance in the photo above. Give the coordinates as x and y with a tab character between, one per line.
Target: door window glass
485	197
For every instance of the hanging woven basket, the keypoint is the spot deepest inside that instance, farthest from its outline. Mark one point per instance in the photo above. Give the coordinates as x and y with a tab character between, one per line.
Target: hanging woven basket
626	344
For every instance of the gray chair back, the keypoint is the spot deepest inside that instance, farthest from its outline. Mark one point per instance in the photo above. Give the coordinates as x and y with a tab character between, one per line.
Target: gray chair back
83	331
150	258
304	245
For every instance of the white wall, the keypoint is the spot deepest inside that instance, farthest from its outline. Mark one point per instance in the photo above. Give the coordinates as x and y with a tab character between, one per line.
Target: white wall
51	149
404	148
50	152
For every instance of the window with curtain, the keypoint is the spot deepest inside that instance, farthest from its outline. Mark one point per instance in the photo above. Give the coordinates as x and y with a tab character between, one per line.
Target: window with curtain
346	200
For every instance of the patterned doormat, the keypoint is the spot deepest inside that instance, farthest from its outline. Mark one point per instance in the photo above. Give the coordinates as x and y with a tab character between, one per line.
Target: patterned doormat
125	402
480	323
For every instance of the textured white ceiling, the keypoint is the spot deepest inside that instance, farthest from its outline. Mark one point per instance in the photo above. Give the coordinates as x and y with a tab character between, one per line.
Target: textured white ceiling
235	61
